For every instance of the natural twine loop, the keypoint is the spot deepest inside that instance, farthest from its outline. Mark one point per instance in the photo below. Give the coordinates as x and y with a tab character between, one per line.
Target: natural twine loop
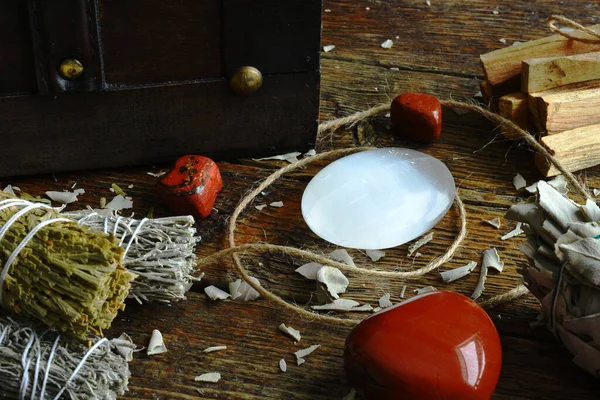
552	20
235	250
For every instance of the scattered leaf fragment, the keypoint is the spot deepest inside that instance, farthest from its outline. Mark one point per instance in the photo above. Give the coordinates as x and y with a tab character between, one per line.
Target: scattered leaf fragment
282	365
596	192
64	197
502	40
375	255
342	256
387	44
214	293
403	291
328	48
425	289
260	207
491	259
300	361
157	174
309	270
117	189
212	377
124	346
384	301
428	2
495	12
481	283
156	345
519	182
119	203
214	348
102	202
343	305
350	396
304	352
241	290
277	204
9	189
333	279
289	157
293	333
419	243
495	222
310	153
515	232
457	273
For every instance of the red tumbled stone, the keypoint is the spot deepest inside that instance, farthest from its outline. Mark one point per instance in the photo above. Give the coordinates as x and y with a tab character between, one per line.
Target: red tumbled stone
417	116
191	187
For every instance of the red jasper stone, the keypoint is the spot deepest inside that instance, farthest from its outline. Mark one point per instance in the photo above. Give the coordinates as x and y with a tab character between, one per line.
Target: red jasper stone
191	187
417	116
434	346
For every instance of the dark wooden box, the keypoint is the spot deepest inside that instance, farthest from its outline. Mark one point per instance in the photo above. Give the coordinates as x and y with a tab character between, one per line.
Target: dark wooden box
155	80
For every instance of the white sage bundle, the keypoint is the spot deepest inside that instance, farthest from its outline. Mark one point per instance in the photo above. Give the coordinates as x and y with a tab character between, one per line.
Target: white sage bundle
563	248
160	251
39	364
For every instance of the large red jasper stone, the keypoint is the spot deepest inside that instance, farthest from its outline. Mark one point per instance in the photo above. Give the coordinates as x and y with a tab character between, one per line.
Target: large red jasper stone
191	187
417	116
434	346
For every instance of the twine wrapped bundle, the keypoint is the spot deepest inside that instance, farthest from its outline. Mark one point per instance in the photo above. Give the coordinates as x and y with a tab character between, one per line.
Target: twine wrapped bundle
159	251
44	364
53	271
563	249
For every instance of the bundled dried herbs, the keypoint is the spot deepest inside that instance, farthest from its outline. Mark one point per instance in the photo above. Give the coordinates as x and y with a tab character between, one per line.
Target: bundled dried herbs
159	251
563	248
42	363
54	271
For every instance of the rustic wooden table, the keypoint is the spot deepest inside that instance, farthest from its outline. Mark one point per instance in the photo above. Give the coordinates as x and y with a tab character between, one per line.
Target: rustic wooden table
436	49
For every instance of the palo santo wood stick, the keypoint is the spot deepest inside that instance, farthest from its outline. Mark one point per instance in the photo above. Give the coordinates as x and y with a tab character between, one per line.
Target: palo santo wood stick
576	149
503	66
567	107
514	107
540	74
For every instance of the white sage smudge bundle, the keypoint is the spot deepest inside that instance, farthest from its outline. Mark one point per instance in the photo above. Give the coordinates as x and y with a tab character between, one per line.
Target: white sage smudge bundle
40	364
159	251
563	248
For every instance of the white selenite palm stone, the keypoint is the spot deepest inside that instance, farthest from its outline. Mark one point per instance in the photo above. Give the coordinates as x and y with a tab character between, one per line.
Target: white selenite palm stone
378	199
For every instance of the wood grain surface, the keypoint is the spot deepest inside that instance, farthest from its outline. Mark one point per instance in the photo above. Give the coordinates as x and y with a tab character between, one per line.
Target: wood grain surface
436	52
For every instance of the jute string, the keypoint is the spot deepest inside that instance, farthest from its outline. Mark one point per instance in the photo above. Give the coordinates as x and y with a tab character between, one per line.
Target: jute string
506	125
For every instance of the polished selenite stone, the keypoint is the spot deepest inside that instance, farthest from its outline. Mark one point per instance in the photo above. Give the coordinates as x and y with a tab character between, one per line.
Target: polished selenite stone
378	199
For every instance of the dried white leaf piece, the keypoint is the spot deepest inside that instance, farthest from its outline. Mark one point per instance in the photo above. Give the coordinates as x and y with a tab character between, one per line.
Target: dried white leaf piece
300	361
596	192
558	182
403	291
491	259
352	394
289	157
282	365
375	255
342	256
119	203
214	293
515	232
304	352
376	309
63	197
338	305
293	333
457	273
11	189
328	48
214	348
502	40
309	270
494	222
334	280
277	204
211	377
240	290
156	345
428	2
384	301
364	307
562	210
481	284
425	289
590	210
124	346
157	174
519	182
310	153
419	243
387	44
260	207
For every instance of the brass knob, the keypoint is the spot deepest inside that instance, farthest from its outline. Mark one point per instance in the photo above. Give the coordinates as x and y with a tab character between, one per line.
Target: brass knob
70	69
246	80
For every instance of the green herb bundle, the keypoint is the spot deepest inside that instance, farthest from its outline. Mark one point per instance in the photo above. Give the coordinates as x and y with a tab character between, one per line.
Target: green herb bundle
67	277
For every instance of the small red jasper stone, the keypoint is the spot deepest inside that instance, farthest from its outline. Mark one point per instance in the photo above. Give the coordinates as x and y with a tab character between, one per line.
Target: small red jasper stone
434	346
191	187
417	116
